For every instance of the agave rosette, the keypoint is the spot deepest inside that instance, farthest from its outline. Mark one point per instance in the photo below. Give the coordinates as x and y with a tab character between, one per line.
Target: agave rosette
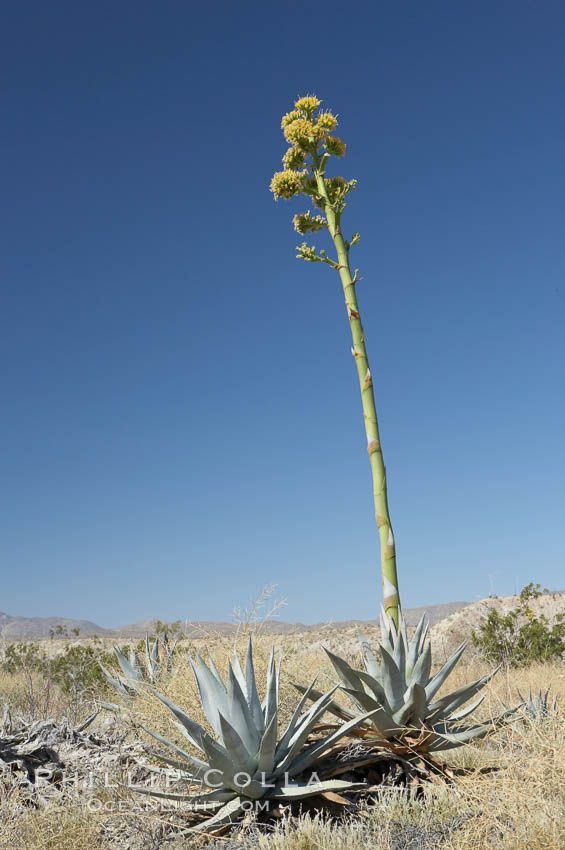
246	760
400	691
539	706
134	672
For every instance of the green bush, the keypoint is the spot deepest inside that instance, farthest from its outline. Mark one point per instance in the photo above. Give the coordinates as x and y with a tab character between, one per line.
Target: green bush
75	670
23	657
519	637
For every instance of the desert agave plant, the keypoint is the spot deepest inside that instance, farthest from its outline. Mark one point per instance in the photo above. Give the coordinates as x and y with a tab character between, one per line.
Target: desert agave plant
400	691
247	760
135	672
538	707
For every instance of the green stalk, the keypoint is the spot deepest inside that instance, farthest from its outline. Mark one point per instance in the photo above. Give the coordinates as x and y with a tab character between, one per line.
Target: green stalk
359	351
306	129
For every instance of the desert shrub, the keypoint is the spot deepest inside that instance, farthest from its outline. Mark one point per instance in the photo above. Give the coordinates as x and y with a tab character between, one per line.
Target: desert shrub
35	684
77	668
20	657
519	637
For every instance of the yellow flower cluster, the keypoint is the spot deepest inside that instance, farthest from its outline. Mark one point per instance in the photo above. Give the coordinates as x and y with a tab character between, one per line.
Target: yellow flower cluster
335	187
300	132
335	146
307	104
293	159
306	223
289	118
326	121
305	128
286	184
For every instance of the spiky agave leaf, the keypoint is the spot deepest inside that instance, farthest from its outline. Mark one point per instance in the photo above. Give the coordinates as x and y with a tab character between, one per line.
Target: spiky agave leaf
152	662
120	685
401	687
246	760
452	734
133	672
538	707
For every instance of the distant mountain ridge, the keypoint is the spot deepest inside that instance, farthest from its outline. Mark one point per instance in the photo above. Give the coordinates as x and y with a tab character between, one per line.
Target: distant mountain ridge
32	628
35	628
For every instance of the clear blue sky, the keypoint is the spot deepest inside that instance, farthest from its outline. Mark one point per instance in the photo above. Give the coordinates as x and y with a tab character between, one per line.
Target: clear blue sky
181	420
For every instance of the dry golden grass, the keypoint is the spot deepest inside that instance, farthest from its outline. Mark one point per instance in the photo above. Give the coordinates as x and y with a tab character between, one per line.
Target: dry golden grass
68	827
31	695
521	806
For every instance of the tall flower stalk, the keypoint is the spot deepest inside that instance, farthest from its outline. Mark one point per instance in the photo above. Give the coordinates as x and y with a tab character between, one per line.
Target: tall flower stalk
308	131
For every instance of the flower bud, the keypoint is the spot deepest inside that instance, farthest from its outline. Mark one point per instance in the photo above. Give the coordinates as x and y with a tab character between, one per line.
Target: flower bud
335	146
306	223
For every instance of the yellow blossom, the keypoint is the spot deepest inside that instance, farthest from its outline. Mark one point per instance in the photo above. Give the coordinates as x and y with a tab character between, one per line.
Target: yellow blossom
326	121
299	132
307	104
293	159
286	184
289	118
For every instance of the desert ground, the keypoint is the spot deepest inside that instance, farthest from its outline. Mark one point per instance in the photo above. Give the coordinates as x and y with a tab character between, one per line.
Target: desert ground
505	792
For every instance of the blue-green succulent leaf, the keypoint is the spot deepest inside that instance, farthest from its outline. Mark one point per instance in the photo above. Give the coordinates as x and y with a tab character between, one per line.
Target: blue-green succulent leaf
316	751
117	684
272	695
252	696
301	792
130	671
346	673
437	681
394	683
240	715
307	693
226	814
468	710
212	800
193	730
371	664
236	666
421	670
266	760
374	686
333	707
450	702
413	710
199	765
213	694
214	671
236	749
